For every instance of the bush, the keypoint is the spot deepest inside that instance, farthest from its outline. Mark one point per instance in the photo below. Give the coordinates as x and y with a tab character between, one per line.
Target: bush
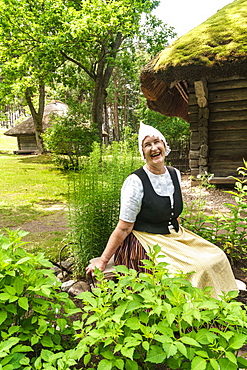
95	197
228	230
144	319
69	139
34	314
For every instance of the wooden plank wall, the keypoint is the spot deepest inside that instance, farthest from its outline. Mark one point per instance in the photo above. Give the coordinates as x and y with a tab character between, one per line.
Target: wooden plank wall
227	126
27	142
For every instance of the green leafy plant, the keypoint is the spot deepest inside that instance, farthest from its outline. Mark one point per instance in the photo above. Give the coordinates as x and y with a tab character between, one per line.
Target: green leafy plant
69	139
227	229
34	314
95	196
144	319
234	237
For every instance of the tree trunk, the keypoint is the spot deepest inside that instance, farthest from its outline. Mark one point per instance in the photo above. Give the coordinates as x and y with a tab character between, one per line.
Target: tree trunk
99	98
115	111
37	116
102	80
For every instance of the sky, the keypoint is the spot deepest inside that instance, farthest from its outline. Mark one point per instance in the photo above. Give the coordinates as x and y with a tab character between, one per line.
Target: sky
184	15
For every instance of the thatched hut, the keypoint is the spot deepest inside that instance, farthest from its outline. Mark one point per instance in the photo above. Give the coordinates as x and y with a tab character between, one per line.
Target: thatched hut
25	133
202	78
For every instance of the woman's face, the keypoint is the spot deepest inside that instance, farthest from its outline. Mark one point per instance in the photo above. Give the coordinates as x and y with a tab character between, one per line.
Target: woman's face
153	150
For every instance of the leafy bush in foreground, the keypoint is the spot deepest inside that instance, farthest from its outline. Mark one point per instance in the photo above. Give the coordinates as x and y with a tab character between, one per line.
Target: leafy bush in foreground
152	318
227	229
34	314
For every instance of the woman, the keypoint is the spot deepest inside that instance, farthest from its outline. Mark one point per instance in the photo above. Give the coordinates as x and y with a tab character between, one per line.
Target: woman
151	203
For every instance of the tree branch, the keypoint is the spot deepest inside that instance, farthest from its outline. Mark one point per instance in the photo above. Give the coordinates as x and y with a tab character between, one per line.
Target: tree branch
115	48
92	75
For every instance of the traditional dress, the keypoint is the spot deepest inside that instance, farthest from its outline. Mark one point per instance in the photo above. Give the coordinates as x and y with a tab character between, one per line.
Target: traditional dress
182	249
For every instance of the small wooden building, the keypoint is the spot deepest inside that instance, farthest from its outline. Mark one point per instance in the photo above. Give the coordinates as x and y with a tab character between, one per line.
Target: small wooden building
202	78
24	131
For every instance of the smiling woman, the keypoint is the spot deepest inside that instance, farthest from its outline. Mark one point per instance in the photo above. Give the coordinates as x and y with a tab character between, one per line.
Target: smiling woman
151	203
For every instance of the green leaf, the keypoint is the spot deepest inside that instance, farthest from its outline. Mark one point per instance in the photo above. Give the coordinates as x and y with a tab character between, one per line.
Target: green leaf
131	364
18	284
46	355
133	323
119	363
242	361
4	297
190	341
23	303
7	344
128	352
10	289
11	308
203	354
170	349
134	305
23	260
46	341
122	269
226	364
87	358
156	355
21	348
145	345
237	341
118	314
214	364
3	316
231	357
181	347
198	363
104	365
61	324
170	318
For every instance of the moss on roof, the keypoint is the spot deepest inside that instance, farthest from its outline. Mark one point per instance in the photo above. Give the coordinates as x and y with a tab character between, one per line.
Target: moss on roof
220	38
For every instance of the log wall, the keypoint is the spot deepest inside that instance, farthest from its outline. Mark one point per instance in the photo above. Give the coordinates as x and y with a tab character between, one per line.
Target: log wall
218	126
27	142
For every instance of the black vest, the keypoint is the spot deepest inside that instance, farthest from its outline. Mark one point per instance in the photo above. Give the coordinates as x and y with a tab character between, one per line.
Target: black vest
156	214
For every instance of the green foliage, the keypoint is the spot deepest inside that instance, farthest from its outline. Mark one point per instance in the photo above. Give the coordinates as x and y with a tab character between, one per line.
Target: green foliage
173	128
34	314
69	139
144	319
228	230
95	195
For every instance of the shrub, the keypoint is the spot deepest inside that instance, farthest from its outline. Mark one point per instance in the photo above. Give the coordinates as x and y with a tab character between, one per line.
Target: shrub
34	314
69	139
94	198
144	319
228	230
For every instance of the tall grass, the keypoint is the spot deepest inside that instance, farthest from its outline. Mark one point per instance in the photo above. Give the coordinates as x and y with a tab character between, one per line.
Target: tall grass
94	198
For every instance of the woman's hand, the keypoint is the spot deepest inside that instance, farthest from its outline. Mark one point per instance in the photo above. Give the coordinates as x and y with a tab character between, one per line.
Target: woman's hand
121	231
101	265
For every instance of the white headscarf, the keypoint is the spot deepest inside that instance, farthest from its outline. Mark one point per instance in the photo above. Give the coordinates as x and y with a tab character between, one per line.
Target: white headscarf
146	130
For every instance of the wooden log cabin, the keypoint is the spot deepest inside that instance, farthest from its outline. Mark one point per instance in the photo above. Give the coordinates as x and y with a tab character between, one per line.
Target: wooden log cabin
25	133
202	78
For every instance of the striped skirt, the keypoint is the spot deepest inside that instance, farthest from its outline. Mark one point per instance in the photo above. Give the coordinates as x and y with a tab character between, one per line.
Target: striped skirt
131	253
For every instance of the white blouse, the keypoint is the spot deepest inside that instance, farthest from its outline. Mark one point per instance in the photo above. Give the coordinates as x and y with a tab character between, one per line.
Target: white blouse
132	192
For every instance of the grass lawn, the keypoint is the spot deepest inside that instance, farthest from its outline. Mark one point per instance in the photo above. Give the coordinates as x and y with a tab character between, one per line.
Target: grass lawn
33	197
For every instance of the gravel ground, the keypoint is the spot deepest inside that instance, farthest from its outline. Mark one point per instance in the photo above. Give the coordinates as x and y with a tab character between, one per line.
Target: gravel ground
213	197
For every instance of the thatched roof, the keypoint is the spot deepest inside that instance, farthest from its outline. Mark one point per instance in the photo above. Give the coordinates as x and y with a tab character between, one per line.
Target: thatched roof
26	127
216	48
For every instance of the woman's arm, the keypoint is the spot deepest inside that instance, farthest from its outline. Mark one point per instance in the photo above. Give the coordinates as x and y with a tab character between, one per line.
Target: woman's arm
122	230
